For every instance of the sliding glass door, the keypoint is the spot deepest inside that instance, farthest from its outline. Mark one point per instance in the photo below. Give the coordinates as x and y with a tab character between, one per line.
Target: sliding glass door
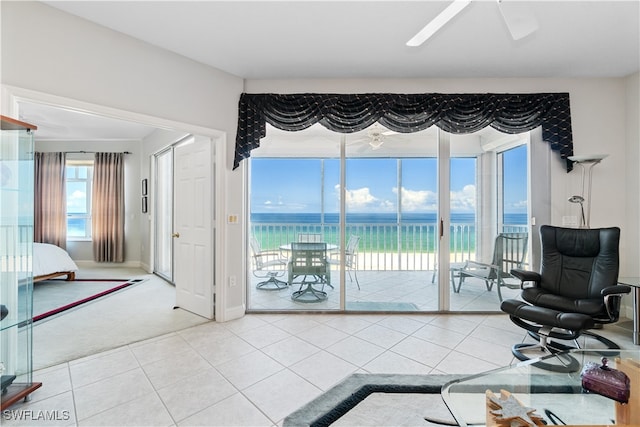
488	222
399	213
294	187
391	205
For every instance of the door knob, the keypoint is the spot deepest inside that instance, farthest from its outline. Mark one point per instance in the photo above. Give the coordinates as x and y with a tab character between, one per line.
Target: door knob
175	235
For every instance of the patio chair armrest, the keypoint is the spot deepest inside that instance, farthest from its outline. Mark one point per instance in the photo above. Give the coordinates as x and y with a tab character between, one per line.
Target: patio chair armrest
271	257
270	254
477	264
526	275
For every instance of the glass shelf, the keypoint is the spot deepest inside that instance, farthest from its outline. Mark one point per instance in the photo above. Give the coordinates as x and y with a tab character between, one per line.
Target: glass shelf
16	250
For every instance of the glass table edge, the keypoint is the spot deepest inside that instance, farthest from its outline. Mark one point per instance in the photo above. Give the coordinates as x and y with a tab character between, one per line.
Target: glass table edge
447	386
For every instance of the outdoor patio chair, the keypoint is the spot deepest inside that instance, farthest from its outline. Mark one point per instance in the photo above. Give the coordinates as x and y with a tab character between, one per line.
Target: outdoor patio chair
350	257
310	237
268	265
509	252
309	266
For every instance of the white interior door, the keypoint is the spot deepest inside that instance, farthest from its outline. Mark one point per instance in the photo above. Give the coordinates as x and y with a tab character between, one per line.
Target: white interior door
194	226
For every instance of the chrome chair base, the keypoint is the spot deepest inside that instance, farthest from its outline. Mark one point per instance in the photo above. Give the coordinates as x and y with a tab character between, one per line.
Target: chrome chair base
546	347
307	293
272	284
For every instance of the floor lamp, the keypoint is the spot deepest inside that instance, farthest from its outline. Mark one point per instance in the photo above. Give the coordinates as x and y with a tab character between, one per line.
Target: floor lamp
587	163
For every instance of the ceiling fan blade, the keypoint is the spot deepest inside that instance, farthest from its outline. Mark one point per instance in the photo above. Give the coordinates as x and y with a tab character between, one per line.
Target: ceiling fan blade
438	22
518	17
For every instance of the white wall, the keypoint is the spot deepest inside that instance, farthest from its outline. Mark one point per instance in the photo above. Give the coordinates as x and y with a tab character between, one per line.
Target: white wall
632	89
48	51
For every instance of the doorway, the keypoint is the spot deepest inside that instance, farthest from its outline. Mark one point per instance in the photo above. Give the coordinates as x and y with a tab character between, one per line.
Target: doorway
83	324
86	114
184	222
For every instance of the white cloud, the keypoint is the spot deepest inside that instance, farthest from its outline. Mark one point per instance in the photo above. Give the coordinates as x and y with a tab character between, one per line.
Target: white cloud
269	204
417	200
361	199
281	206
464	200
520	205
77	195
426	200
77	201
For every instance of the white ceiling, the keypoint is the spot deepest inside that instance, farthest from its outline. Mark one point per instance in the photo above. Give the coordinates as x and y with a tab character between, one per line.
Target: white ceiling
361	39
337	39
68	125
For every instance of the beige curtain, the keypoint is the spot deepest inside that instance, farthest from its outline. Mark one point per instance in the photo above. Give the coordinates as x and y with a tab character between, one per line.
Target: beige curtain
107	207
50	200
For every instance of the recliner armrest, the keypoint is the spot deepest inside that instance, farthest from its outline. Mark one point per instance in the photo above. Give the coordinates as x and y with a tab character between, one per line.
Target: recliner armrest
612	297
526	275
615	290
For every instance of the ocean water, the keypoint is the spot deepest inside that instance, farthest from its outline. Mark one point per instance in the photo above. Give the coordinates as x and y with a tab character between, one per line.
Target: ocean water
379	232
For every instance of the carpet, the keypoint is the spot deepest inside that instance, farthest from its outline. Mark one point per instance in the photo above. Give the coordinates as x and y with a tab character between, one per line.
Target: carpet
131	315
380	306
336	405
51	297
412	400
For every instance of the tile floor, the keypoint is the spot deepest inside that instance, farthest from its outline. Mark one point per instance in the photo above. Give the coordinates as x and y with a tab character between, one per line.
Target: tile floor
413	288
256	370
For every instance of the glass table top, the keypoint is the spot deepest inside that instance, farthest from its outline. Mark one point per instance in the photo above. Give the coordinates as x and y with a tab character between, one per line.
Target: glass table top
557	397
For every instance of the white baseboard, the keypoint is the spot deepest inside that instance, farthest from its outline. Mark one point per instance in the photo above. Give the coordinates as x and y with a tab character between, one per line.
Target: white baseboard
93	264
231	314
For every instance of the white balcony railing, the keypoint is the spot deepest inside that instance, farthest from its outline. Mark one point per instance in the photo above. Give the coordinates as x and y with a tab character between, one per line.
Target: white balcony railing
383	246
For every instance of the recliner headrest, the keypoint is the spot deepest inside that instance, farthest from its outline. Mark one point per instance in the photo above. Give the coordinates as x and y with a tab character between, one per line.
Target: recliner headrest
578	242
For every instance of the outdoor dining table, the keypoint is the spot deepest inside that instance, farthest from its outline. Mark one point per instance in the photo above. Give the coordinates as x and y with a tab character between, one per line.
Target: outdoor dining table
307	261
331	247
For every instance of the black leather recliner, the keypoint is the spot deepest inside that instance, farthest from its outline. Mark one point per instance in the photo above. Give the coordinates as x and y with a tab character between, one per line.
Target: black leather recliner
575	291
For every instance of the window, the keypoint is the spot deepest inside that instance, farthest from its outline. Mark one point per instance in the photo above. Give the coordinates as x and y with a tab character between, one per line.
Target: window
512	189
79	182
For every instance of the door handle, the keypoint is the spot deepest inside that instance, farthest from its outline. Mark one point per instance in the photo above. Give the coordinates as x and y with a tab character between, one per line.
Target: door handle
441	228
176	235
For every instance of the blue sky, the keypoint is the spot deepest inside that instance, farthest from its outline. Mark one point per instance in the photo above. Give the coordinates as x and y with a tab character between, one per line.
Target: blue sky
293	185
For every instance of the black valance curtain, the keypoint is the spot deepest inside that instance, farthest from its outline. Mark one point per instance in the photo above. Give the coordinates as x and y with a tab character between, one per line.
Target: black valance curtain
406	113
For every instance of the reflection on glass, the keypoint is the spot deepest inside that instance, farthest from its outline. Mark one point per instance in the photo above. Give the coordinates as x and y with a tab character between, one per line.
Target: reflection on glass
163	262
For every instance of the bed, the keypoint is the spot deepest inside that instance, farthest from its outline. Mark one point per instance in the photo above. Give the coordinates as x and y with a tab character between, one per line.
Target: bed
51	261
